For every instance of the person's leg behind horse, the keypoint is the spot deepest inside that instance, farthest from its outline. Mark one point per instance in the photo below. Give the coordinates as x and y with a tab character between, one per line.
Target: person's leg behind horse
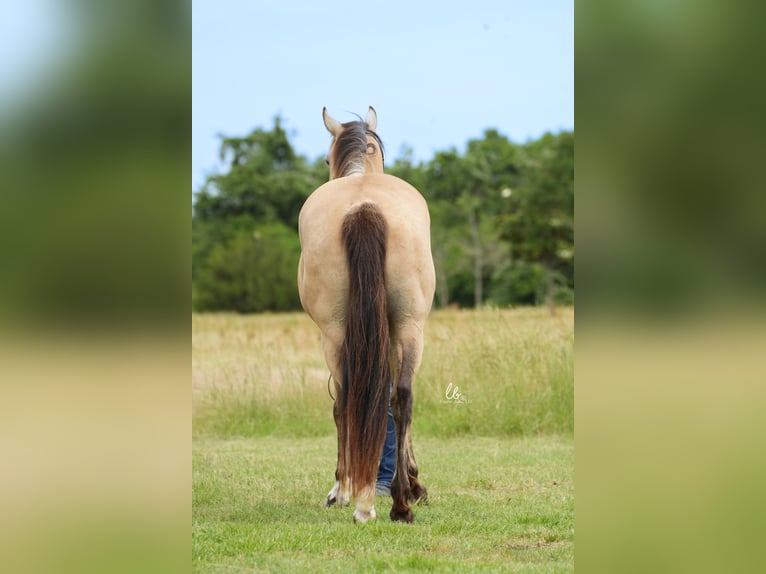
387	458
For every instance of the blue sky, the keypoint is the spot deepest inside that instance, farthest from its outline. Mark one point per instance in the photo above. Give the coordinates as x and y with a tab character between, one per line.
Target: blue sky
438	73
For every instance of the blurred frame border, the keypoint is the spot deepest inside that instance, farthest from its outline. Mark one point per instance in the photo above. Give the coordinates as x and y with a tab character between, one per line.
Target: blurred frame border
95	164
671	237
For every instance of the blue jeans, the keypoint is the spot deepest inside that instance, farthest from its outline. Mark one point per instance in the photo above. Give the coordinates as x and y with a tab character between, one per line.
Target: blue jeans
388	458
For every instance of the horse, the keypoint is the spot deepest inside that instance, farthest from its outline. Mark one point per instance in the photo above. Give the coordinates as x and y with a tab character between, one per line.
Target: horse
366	278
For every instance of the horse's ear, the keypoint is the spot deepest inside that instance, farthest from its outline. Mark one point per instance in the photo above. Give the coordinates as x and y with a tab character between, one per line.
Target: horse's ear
333	126
372	119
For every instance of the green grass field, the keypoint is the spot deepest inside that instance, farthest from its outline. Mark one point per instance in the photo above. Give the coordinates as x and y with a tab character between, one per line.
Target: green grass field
499	465
497	505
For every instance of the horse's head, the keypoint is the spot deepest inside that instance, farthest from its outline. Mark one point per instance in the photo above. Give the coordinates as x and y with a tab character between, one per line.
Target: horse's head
355	148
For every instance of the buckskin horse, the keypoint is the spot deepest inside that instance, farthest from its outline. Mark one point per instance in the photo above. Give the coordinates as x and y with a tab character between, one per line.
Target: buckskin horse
366	278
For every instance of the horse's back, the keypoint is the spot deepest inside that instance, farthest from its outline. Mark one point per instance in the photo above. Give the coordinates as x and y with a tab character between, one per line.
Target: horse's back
409	272
396	199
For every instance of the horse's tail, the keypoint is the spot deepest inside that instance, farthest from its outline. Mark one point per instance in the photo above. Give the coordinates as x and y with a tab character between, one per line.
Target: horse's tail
366	369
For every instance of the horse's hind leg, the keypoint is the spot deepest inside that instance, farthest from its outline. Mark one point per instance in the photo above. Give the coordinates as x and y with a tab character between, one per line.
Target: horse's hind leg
405	485
340	493
418	492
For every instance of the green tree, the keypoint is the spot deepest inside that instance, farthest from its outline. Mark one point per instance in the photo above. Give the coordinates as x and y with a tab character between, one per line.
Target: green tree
539	217
465	192
265	184
253	272
266	179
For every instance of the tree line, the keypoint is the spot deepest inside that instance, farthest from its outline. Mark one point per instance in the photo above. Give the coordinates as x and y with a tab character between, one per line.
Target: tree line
502	221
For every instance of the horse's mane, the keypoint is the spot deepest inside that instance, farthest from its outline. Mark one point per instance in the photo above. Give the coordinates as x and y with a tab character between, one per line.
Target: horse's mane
351	146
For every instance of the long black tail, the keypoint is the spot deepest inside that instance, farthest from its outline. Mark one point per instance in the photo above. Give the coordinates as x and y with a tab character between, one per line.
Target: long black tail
365	390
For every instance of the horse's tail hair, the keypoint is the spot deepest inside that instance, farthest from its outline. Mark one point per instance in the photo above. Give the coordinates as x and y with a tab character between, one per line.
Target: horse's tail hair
365	390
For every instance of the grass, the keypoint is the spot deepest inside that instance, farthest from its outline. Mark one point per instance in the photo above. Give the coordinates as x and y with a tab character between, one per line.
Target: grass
497	505
261	375
498	465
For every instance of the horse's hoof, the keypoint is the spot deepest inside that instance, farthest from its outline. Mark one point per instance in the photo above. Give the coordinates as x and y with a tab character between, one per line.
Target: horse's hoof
401	515
362	517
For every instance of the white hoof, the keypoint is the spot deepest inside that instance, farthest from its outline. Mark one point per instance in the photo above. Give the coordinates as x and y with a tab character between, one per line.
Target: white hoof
363	517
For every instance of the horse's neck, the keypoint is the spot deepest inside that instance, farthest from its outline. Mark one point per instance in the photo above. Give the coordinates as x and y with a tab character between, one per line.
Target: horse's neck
369	166
372	164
